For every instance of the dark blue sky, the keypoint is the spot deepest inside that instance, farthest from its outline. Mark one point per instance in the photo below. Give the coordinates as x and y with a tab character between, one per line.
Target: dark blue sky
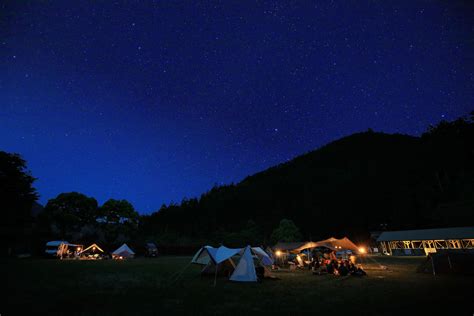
156	100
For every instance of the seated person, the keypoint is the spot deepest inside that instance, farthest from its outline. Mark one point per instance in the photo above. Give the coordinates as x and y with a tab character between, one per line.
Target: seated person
260	271
321	269
316	262
352	267
358	272
330	267
343	269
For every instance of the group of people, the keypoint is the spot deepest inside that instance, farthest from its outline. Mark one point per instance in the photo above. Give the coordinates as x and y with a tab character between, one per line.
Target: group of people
342	267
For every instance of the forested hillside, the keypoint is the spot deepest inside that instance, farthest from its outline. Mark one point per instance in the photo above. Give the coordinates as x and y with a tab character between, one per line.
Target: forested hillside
366	181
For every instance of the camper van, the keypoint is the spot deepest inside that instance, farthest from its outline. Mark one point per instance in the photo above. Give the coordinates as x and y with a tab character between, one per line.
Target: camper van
62	249
52	247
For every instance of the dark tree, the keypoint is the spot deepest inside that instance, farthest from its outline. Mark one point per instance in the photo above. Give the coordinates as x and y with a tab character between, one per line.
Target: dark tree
287	231
17	196
345	188
16	189
68	213
118	211
250	234
119	220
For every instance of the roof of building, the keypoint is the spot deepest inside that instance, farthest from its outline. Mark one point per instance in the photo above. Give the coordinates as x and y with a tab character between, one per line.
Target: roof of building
429	234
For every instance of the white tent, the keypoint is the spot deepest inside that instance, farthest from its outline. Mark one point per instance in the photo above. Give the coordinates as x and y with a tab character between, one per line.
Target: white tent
245	270
122	252
221	260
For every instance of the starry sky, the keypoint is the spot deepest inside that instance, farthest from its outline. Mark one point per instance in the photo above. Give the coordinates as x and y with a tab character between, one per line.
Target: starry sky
152	101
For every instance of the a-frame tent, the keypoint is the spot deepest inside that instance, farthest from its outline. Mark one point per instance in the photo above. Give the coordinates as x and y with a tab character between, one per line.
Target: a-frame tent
245	270
123	252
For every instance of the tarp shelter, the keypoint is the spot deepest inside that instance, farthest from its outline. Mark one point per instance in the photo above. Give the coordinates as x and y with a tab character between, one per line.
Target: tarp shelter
338	244
223	260
330	243
123	252
92	252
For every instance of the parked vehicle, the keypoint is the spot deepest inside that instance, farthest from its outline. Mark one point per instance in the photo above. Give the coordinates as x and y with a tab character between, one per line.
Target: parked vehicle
61	248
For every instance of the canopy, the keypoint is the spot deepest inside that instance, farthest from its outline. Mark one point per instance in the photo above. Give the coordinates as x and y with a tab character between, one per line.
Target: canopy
337	244
123	251
331	243
92	248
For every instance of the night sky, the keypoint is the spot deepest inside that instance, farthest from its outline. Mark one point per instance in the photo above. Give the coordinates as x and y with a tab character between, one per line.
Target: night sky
155	101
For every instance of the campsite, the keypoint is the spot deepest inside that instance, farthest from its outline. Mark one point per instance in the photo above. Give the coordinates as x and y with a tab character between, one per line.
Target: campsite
237	157
122	287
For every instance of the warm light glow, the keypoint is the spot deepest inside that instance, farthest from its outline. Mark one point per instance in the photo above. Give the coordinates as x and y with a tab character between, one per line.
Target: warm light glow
352	259
78	248
362	250
278	253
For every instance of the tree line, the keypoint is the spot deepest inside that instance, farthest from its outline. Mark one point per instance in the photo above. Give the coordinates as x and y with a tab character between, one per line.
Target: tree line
78	218
363	182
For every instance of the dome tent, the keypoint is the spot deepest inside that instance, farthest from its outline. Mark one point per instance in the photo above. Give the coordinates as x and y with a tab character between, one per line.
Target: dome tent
223	261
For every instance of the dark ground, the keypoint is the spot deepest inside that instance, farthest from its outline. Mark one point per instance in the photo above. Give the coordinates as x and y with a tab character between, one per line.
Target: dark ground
148	286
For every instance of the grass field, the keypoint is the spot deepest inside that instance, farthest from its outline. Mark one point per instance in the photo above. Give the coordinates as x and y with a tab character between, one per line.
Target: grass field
147	286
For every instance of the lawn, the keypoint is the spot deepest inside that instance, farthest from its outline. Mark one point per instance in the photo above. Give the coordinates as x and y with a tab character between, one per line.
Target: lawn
151	286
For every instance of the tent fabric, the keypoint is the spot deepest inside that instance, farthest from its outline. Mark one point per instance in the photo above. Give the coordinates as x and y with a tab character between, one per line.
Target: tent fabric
265	259
92	248
224	268
220	261
245	270
342	244
331	243
123	251
217	255
288	246
224	253
202	256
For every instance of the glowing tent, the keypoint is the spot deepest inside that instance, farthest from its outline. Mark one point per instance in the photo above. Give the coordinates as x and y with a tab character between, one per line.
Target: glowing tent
123	252
91	252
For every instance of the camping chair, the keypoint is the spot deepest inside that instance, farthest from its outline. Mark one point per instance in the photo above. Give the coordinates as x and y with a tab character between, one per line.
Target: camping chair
300	264
292	266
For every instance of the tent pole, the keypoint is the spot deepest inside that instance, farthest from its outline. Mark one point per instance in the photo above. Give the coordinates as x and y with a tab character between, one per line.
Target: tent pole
432	264
215	277
450	265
